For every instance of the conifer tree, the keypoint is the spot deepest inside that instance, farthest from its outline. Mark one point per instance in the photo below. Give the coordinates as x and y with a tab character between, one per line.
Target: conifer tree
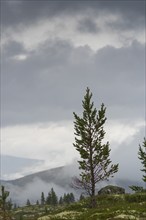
61	201
28	202
42	199
68	198
52	198
72	198
48	199
9	204
65	198
3	203
15	206
89	134
3	197
142	157
37	202
81	197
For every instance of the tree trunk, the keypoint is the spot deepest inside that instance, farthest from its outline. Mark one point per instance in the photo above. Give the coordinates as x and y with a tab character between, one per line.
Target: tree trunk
93	199
93	202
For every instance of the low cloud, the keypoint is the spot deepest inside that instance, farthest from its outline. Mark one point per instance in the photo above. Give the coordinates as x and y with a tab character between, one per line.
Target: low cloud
53	144
31	187
33	190
127	156
51	141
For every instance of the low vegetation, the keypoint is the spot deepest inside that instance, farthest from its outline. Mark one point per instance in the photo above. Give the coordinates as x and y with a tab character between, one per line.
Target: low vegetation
109	207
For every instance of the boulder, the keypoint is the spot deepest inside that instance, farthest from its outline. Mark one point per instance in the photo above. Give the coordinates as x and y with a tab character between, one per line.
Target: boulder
111	190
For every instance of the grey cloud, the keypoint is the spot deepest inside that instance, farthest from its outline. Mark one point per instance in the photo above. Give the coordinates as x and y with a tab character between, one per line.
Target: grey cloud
122	73
123	63
50	85
127	157
130	23
27	12
12	48
87	26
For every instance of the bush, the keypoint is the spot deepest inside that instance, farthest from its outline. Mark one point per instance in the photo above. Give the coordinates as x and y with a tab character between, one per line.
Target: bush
110	198
137	197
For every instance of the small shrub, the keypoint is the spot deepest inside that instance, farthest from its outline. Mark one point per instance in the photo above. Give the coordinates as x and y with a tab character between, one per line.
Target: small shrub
137	197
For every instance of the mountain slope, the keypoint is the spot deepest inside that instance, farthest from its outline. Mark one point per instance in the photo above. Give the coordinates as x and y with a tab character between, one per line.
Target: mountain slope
57	175
31	186
15	167
60	178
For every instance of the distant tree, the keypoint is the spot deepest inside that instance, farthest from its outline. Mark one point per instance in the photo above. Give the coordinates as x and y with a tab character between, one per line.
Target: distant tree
64	198
89	134
52	198
49	198
72	198
68	198
60	201
142	157
81	197
37	202
15	206
42	199
28	202
9	204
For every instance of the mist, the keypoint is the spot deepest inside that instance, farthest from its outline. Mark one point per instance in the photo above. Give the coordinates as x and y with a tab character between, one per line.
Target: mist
33	190
61	180
31	186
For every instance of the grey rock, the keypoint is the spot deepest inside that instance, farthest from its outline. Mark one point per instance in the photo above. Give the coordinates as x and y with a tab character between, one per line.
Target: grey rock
111	190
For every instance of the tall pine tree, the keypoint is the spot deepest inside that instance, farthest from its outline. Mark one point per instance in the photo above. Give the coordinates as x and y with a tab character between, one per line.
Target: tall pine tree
142	157
89	134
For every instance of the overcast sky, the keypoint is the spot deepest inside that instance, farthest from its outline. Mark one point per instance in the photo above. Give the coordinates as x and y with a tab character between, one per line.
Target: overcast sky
50	52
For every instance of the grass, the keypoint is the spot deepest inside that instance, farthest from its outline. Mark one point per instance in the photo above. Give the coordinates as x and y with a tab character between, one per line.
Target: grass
110	207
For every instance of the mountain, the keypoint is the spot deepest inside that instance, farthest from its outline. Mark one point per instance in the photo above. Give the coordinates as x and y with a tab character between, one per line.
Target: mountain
60	178
31	186
15	167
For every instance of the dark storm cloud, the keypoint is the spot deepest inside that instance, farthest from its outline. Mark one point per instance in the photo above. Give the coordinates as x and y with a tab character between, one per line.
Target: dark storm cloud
26	12
88	26
50	83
